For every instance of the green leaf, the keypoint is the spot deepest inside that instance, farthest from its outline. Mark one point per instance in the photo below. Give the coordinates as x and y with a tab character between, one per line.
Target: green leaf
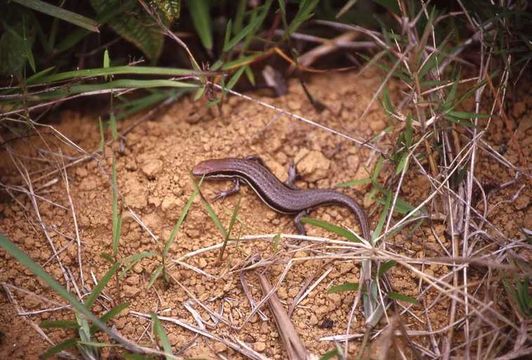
117	217
112	125
400	297
170	9
241	61
159	332
38	271
385	266
384	213
180	221
340	231
239	16
199	11
253	25
60	13
56	349
113	70
355	182
15	49
249	74
114	311
306	7
235	78
348	286
331	353
131	260
403	162
155	275
387	102
212	214
232	222
133	106
106	61
59	324
97	290
276	241
101	146
136	27
466	115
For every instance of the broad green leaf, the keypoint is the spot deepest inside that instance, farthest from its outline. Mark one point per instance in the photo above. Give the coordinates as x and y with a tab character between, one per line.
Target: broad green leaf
170	9
137	27
199	11
60	13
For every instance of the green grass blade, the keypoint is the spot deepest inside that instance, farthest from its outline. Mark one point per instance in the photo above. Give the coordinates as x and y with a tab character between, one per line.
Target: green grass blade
340	231
382	217
355	182
159	332
59	324
114	70
60	13
56	349
112	125
400	297
131	260
179	222
348	286
330	354
97	290
212	214
199	11
117	219
234	78
38	271
101	146
306	7
232	222
155	275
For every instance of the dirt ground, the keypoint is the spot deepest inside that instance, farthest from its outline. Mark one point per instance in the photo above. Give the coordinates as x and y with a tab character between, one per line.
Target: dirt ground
153	165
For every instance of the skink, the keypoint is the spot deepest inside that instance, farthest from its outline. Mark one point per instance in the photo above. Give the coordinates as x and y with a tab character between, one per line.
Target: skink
281	197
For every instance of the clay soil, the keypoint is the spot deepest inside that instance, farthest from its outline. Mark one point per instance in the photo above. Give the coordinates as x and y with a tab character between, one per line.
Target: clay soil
153	163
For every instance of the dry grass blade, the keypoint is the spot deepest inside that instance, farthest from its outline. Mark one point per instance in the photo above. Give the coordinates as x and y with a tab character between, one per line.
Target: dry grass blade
293	345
